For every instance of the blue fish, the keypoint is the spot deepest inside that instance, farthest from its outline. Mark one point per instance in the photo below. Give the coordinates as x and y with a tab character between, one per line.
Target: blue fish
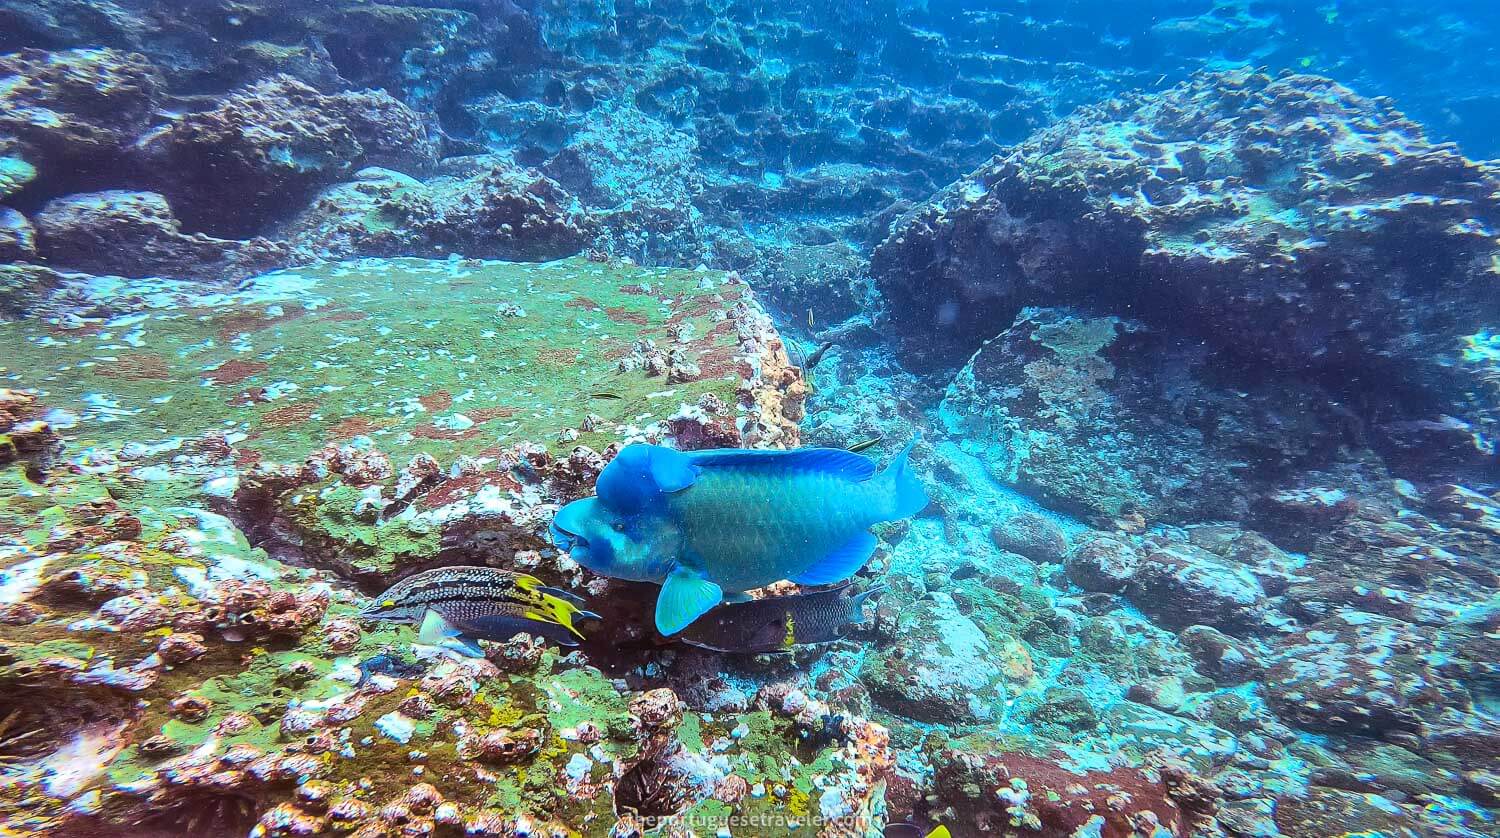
710	525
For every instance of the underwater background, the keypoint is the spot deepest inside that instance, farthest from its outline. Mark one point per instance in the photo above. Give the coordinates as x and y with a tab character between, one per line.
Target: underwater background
1191	306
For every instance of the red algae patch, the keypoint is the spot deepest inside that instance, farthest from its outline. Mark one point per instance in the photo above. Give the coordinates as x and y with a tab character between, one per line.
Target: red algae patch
289	415
234	371
138	366
436	402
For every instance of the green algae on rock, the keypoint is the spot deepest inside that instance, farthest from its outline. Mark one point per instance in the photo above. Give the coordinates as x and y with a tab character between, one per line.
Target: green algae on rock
477	375
215	691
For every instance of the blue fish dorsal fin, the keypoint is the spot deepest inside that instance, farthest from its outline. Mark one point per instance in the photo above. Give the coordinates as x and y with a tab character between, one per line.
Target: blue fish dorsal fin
834	461
640	473
841	562
684	597
672	470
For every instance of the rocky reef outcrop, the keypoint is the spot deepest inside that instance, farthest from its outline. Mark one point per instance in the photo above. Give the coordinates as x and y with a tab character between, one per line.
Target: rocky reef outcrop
277	141
1307	271
202	685
483	208
136	234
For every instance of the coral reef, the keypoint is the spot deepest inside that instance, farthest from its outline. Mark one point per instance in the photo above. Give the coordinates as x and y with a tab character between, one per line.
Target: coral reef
135	234
1205	376
278	140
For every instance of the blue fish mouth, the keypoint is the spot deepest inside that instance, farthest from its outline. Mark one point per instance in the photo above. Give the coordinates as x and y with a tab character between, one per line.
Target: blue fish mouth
565	540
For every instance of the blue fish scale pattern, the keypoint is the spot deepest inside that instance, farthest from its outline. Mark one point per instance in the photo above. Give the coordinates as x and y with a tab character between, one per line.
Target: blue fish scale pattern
765	526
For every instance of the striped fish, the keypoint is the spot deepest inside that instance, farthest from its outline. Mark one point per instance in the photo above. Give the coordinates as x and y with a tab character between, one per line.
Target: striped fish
457	606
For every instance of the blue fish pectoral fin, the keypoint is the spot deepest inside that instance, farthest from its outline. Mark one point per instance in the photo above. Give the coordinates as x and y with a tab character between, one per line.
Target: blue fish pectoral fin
684	597
840	563
832	461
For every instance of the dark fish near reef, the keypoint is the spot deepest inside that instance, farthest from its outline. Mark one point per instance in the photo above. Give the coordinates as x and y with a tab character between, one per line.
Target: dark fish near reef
390	663
706	524
456	606
776	624
817	356
866	445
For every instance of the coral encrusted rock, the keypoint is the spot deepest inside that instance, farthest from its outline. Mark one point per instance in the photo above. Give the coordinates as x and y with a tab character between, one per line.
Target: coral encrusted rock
1286	222
75	108
1115	420
268	147
136	234
485	209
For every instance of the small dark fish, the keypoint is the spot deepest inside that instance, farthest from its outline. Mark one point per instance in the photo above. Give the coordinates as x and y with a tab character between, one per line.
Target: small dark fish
456	606
865	445
776	624
813	359
604	396
828	729
387	663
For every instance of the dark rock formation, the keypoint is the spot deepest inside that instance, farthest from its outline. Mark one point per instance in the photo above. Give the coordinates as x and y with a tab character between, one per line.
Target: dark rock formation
485	209
1287	225
72	114
272	145
136	234
1115	420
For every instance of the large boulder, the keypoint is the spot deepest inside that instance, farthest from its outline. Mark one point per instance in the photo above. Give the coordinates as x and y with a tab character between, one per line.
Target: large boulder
940	669
482	208
1116	421
135	234
75	111
272	145
1287	222
1360	673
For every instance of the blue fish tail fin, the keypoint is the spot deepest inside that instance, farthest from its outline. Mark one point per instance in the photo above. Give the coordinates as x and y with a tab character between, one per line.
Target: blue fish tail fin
857	607
906	494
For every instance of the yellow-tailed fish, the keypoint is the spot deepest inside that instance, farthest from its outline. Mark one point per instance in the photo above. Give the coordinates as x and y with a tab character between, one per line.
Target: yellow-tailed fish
456	606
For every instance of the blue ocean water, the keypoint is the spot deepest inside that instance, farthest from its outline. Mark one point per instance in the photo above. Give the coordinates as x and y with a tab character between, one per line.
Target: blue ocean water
1189	311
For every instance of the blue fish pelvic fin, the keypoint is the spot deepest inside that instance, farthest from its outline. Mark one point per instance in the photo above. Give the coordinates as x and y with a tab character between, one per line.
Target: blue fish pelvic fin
842	562
684	597
906	494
